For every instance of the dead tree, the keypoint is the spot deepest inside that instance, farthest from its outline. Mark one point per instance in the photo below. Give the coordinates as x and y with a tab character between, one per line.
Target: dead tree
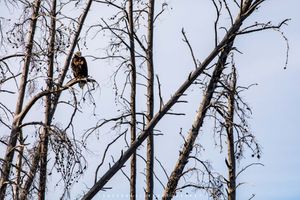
150	102
15	130
32	160
246	9
132	50
231	161
225	44
132	99
125	30
119	164
45	133
231	128
193	133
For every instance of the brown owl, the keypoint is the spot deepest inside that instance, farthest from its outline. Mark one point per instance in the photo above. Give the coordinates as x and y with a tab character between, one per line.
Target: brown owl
79	68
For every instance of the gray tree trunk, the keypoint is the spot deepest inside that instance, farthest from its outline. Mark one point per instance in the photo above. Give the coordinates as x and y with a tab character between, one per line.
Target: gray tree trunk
44	140
150	104
231	184
9	155
132	100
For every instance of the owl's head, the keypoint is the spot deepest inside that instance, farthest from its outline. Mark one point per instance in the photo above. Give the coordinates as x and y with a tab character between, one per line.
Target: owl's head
78	53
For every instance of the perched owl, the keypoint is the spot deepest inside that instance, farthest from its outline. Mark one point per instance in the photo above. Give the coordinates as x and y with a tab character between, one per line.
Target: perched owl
79	68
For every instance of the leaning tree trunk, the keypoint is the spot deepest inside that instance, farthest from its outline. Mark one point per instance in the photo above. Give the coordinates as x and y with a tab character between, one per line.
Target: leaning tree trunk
9	155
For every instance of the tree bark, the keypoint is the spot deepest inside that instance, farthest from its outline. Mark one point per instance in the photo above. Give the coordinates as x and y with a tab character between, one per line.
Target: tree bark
231	184
150	104
9	155
32	172
19	166
132	100
44	140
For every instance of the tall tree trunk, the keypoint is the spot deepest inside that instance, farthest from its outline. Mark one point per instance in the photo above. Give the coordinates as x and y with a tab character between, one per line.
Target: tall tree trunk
9	155
132	100
45	132
150	103
170	190
231	184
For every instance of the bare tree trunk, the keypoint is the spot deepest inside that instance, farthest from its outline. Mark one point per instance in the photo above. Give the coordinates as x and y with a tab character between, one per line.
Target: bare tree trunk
19	166
32	172
45	132
231	184
170	190
150	103
132	100
9	155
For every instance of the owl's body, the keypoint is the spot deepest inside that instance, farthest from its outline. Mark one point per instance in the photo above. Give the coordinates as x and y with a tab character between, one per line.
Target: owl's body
79	68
